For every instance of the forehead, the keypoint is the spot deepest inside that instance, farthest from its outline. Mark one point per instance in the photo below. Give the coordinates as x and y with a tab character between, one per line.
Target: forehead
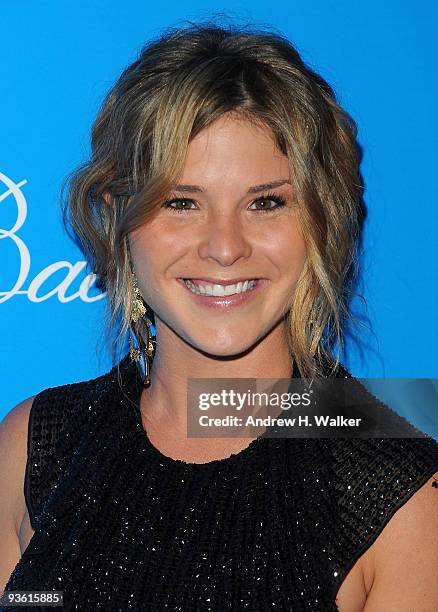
234	148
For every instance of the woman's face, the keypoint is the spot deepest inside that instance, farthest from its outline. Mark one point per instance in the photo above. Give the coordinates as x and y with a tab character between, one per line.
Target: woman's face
216	231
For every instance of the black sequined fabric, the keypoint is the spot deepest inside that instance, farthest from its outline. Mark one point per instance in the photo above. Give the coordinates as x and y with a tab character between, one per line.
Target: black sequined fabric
119	526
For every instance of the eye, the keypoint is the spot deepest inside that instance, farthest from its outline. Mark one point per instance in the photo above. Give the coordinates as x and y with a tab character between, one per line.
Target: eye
184	202
183	205
279	202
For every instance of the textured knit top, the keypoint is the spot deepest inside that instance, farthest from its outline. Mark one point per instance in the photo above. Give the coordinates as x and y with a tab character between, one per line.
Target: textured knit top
120	526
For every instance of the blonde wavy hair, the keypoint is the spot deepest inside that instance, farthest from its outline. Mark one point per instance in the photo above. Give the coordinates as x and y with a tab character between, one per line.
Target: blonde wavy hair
181	82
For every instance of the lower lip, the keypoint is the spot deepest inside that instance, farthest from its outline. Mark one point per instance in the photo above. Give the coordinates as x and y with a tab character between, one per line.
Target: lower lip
227	301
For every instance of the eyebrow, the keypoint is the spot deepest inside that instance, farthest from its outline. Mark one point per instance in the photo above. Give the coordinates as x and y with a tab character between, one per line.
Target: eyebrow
253	189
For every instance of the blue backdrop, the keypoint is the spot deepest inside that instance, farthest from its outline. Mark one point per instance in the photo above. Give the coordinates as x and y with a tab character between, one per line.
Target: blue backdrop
57	61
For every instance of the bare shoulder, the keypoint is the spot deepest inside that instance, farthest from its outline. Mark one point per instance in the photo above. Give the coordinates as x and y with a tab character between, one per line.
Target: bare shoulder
13	457
405	556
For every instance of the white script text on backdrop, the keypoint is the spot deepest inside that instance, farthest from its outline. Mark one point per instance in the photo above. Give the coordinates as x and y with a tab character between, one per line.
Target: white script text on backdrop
13	192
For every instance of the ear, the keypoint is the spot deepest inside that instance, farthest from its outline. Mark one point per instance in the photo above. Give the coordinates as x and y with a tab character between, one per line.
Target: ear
107	197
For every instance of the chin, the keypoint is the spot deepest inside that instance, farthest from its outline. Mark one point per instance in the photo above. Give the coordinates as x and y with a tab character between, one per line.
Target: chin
228	347
227	351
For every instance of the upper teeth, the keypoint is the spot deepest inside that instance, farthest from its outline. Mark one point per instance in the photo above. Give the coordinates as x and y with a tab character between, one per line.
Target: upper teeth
220	290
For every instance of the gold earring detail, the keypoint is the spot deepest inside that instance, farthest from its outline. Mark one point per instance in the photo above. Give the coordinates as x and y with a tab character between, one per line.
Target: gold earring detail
141	342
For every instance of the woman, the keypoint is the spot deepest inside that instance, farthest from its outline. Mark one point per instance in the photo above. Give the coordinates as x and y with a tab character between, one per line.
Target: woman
221	204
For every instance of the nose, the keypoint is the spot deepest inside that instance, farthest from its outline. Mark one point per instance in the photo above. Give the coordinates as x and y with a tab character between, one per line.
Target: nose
223	239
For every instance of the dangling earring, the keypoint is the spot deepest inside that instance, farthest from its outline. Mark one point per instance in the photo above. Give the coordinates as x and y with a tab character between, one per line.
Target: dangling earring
141	342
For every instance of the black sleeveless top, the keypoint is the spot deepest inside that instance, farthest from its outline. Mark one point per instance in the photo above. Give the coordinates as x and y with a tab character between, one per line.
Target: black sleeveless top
119	526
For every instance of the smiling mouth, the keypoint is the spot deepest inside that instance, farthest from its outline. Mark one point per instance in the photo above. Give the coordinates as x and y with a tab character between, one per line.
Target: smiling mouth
208	289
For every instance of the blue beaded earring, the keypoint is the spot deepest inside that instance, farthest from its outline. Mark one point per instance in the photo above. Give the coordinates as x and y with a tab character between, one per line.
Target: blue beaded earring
141	341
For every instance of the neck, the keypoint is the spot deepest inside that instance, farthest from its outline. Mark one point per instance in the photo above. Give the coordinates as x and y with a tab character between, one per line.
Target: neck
164	402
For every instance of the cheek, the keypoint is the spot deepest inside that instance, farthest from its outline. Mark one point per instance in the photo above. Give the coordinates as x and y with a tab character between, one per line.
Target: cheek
158	243
298	246
299	249
288	250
